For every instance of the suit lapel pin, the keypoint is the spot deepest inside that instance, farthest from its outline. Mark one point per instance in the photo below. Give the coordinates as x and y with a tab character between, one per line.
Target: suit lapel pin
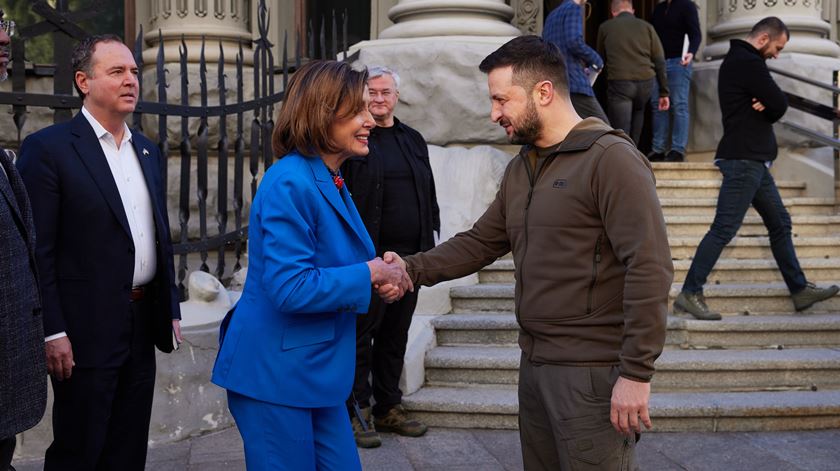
145	152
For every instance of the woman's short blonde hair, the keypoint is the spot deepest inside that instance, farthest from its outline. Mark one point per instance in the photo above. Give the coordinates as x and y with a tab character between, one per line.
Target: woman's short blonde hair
318	94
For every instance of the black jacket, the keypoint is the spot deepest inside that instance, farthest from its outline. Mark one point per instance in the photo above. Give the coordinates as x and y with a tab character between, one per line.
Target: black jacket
672	21
747	133
23	368
364	178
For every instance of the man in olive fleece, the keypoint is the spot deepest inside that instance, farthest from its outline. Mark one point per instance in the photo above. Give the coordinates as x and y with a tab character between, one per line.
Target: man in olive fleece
579	212
634	56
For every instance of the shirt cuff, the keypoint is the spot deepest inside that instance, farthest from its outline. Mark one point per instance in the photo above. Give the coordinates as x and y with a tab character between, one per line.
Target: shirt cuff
55	336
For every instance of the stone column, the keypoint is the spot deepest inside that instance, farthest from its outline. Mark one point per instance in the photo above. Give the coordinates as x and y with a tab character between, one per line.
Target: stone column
216	20
424	18
809	32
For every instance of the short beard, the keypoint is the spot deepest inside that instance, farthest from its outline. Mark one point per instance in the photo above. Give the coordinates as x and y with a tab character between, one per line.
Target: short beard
528	131
4	75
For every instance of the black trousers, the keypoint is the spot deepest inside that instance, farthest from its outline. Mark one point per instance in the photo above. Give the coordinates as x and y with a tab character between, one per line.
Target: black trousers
626	101
587	106
101	415
564	419
7	450
381	337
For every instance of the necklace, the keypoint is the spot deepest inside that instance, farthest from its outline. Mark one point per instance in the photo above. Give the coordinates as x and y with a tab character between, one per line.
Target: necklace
337	180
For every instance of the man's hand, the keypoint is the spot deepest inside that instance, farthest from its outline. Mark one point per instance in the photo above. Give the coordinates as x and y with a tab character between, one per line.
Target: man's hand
389	278
664	103
392	257
629	404
756	105
60	358
686	59
176	328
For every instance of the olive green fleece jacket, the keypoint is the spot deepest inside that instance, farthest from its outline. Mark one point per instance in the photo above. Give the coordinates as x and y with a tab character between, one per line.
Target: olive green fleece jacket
632	51
593	265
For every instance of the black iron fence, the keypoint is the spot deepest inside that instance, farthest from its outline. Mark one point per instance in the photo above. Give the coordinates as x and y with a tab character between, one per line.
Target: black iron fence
249	147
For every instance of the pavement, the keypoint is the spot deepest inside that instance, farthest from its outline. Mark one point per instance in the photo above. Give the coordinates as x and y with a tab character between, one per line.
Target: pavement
491	450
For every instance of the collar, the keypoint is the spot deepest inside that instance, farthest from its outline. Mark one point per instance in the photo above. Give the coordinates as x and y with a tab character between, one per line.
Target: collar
580	138
744	45
100	130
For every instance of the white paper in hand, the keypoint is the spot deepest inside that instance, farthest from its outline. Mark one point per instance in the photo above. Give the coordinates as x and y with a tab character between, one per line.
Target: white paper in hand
685	47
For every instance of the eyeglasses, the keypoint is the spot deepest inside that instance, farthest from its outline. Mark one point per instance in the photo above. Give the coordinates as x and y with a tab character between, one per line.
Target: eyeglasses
8	26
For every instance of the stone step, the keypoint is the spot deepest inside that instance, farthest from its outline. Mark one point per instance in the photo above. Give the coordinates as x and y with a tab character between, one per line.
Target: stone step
676	370
762	270
758	247
726	271
765	331
497	408
796	206
729	299
710	188
685	171
786	331
808	225
755	299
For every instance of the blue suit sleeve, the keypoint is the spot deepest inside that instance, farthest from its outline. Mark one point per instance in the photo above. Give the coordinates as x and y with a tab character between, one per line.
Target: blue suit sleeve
289	216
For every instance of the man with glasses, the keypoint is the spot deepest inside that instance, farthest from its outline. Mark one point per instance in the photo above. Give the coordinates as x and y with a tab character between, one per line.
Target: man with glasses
394	191
23	387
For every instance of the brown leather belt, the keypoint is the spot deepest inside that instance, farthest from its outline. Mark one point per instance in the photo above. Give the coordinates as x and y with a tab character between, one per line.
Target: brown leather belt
137	293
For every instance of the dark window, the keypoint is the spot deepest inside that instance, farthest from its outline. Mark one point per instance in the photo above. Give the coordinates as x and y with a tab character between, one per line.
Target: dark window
320	12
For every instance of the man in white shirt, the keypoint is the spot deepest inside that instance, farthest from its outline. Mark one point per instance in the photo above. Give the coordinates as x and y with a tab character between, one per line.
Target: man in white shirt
105	259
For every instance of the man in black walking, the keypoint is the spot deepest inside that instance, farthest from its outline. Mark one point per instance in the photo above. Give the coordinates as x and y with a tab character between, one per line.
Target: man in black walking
750	102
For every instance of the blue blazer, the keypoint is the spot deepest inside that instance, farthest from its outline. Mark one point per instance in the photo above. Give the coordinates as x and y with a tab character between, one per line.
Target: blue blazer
84	248
292	337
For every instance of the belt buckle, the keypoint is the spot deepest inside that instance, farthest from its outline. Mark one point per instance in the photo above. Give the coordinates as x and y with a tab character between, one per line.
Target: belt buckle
137	293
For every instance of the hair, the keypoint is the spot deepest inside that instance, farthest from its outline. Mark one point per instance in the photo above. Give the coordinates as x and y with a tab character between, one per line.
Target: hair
82	58
773	26
616	5
319	93
377	71
532	59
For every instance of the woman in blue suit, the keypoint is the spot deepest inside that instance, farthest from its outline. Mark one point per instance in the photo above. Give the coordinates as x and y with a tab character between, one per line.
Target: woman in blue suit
288	350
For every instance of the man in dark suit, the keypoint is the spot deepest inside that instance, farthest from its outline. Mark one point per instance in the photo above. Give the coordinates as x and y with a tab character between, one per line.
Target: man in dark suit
23	372
105	260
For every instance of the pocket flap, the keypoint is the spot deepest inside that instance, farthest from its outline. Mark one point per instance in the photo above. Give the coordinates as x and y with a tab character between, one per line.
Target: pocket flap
308	332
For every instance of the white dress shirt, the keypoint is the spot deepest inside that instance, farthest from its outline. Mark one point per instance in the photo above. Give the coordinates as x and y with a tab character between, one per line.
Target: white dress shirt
134	194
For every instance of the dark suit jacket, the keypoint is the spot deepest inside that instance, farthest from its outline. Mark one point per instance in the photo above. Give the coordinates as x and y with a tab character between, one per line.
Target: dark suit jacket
85	251
23	371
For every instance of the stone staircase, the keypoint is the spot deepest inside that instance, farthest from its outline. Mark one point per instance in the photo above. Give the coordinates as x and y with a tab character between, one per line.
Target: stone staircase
761	368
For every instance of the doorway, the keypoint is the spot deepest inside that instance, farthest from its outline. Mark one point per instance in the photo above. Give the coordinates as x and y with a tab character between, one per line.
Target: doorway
595	13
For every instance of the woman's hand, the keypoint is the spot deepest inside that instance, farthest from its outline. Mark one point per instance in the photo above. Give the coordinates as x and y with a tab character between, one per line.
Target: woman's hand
389	277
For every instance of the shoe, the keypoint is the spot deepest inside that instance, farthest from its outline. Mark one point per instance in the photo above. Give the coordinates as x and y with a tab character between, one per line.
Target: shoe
695	304
365	439
674	156
397	421
811	294
656	157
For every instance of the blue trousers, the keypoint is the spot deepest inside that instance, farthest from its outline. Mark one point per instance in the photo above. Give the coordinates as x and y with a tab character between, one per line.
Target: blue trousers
745	183
679	83
282	438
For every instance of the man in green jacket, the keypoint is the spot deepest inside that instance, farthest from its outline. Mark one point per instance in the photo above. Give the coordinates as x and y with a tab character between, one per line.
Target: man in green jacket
633	55
579	212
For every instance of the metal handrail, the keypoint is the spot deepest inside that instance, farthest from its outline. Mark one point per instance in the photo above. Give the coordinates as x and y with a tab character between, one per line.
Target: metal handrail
802	78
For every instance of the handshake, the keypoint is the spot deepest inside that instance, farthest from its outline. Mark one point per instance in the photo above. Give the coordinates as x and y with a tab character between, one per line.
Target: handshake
389	277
